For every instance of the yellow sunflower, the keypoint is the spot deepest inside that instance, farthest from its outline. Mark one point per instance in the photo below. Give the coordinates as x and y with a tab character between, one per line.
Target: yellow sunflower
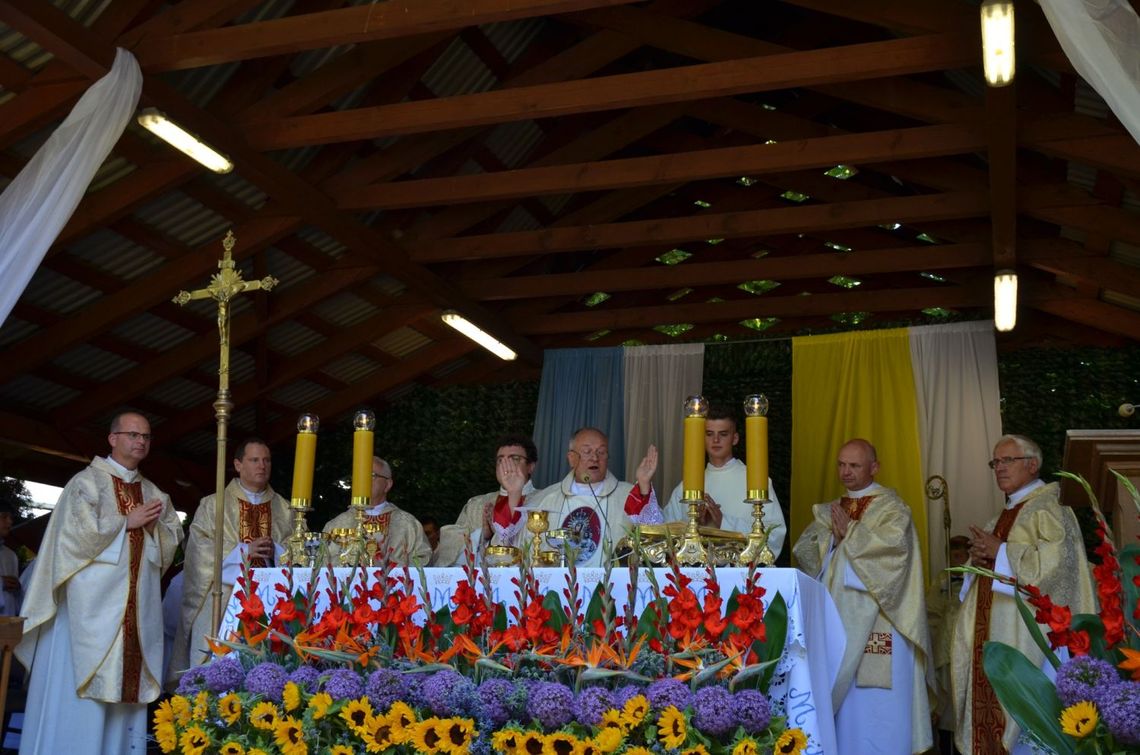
232	748
164	714
181	707
167	737
255	751
457	734
402	718
201	706
746	746
638	751
791	742
291	697
229	708
425	736
194	740
532	743
290	736
609	739
1079	720
506	741
560	743
341	750
612	719
264	716
671	728
376	733
695	750
320	704
587	747
633	713
356	712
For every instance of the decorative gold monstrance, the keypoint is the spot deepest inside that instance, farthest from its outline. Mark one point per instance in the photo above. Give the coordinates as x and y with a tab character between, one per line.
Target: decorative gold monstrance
224	286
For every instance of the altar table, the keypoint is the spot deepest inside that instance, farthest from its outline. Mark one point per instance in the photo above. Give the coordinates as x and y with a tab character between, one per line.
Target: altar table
801	685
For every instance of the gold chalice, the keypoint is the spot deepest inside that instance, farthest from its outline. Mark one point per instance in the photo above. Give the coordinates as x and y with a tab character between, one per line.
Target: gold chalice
537	523
502	555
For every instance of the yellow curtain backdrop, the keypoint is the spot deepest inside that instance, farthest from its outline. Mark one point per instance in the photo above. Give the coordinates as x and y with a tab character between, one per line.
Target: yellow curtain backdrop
854	385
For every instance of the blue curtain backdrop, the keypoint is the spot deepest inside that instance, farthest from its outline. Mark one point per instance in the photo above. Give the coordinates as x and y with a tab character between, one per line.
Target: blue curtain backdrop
579	387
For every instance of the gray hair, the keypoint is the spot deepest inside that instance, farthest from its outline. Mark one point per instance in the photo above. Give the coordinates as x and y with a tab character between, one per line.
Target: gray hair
385	468
1026	445
581	431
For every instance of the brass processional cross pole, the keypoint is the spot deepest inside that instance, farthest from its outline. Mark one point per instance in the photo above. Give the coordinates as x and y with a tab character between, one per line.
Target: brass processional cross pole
224	286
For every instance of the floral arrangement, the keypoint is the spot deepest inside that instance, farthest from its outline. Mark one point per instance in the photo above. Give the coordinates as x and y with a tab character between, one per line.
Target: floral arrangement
550	675
1094	704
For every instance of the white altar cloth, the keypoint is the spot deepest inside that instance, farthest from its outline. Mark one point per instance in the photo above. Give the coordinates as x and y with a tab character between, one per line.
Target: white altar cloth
801	686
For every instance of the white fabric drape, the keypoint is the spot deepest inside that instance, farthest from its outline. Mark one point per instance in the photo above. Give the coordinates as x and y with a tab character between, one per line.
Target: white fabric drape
658	379
959	415
37	204
1102	39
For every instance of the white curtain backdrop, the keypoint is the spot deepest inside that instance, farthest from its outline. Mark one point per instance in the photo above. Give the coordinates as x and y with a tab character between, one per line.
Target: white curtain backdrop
956	384
37	204
658	379
1102	39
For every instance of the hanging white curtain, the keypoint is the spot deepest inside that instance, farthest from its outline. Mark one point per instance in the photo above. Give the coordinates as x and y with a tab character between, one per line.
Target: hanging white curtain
1102	39
959	414
658	379
37	204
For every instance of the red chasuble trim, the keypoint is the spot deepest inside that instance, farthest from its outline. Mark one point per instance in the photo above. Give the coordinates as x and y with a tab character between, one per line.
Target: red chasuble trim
254	521
635	502
128	495
502	511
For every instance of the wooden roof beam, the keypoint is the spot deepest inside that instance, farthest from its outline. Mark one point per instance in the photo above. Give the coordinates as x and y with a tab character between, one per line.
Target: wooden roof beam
1094	314
1001	111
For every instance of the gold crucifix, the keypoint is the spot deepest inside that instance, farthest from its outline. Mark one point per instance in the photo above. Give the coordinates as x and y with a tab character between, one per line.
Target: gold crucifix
224	286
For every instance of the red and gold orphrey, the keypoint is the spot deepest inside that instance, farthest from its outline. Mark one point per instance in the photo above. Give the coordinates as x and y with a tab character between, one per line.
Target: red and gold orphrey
254	521
855	507
128	496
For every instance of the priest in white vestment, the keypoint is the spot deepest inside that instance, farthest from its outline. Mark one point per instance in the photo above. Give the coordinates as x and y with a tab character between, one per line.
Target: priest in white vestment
591	506
726	487
398	534
865	550
11	592
93	636
1038	542
498	517
256	522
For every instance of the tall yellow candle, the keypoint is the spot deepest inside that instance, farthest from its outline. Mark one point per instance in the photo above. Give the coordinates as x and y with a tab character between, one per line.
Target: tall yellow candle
693	468
756	446
362	455
304	459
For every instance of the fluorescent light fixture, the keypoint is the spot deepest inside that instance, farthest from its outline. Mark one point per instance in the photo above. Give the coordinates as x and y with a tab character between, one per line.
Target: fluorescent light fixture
997	42
478	335
183	141
1005	300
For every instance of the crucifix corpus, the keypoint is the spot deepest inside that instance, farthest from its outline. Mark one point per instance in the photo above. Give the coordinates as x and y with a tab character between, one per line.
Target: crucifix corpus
224	286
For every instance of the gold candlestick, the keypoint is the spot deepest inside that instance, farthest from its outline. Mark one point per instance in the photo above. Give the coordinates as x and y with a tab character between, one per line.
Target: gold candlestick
690	551
756	456
297	552
224	285
363	425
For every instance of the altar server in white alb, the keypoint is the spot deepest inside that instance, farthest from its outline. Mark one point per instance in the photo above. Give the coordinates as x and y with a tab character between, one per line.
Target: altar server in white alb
399	534
12	592
93	636
591	505
726	487
864	549
498	517
257	521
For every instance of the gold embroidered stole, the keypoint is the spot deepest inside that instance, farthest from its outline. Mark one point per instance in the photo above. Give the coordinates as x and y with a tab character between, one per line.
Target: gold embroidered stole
855	507
254	521
128	495
988	720
875	668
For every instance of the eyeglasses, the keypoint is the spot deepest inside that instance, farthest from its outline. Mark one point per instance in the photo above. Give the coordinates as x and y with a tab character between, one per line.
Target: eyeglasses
1005	461
593	453
516	458
376	475
133	435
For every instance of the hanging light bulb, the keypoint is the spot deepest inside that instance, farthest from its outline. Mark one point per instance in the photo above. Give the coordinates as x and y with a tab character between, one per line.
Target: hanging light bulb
997	42
1005	300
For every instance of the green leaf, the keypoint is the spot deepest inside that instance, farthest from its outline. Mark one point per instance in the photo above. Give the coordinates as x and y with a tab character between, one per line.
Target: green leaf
647	625
499	624
1030	619
776	634
1028	695
1127	483
756	671
710	672
553	603
594	607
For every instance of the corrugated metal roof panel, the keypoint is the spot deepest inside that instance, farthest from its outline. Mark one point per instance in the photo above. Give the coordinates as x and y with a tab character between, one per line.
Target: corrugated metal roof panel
93	362
513	142
450	367
291	338
15	329
115	255
242	367
1082	175
350	368
152	332
1087	101
512	38
458	71
400	343
1129	254
318	239
58	293
188	221
37	393
242	190
1121	300
181	393
519	220
388	285
344	310
300	394
286	268
244	420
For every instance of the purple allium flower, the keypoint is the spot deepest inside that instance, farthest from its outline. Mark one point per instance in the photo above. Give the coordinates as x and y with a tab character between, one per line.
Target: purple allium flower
1084	678
192	682
1120	710
267	680
344	684
665	692
384	687
436	691
501	701
712	711
752	710
551	705
224	675
591	703
623	694
307	678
